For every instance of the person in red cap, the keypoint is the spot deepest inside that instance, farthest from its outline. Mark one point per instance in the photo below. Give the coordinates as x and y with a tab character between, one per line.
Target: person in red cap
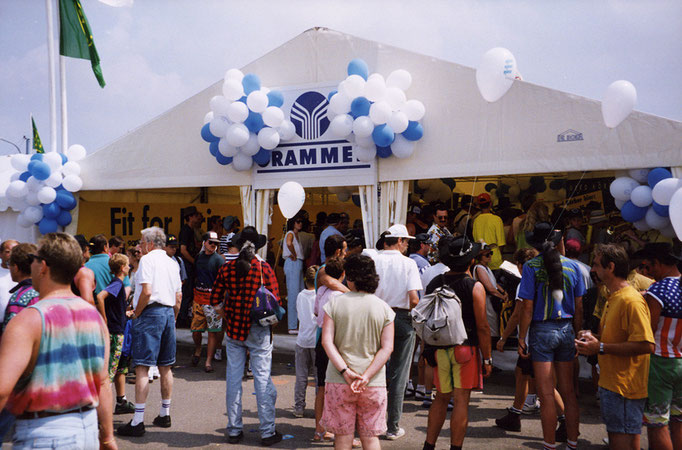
489	228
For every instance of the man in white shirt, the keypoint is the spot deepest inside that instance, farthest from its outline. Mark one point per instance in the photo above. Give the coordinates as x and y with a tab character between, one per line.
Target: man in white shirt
158	293
399	283
6	282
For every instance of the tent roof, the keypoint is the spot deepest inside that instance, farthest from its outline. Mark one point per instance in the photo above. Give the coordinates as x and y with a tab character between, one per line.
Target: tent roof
463	134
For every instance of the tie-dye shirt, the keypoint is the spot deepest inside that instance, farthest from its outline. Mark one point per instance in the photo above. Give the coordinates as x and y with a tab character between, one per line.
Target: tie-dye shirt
70	359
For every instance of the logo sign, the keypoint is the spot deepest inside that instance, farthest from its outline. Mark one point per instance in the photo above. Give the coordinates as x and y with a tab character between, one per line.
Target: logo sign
569	136
313	157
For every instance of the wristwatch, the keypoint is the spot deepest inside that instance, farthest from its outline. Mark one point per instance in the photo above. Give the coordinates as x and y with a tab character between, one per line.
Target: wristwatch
488	361
346	368
601	348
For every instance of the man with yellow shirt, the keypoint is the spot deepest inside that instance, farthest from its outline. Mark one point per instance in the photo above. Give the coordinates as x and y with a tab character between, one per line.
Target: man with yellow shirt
624	345
489	228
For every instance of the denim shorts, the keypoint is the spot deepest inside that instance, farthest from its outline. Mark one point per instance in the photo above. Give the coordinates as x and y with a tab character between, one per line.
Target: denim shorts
65	431
154	337
620	414
552	341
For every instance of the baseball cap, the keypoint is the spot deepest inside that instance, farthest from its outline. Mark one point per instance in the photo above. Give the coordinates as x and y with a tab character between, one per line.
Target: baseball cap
483	199
171	240
423	237
398	230
211	236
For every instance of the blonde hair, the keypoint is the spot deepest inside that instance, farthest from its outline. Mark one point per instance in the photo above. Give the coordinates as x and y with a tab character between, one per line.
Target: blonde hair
538	212
117	262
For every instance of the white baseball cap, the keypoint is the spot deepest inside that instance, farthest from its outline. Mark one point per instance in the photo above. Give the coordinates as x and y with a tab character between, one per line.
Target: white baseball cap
398	230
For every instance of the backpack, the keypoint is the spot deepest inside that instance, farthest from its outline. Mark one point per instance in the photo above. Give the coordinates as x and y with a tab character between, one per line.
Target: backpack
265	310
437	318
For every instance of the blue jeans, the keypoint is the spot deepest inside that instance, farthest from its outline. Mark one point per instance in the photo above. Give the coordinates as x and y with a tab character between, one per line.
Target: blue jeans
153	337
294	273
621	415
259	346
6	421
65	431
398	368
552	341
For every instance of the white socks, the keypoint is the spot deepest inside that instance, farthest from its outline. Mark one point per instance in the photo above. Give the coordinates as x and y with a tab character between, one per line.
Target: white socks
165	407
139	414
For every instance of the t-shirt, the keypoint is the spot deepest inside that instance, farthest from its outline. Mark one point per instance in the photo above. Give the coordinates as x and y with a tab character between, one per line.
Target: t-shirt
422	263
668	293
398	275
115	306
286	253
223	247
22	296
636	280
323	295
489	228
330	230
207	269
99	264
307	325
463	285
6	284
162	273
535	287
627	319
435	232
432	272
186	238
359	319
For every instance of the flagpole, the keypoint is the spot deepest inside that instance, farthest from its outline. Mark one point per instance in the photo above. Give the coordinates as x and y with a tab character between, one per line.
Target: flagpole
51	71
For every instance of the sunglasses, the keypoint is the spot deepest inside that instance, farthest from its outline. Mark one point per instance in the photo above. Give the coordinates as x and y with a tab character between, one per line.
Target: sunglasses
487	255
33	257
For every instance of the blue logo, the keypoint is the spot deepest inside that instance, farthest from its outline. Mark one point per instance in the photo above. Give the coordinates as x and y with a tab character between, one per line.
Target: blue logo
569	136
309	115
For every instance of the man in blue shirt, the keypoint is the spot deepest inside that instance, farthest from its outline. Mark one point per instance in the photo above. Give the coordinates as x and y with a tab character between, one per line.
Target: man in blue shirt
418	250
99	264
333	220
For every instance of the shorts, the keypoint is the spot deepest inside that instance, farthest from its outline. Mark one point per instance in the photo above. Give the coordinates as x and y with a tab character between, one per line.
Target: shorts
526	366
552	341
458	368
205	318
619	414
346	412
154	337
665	391
321	363
115	346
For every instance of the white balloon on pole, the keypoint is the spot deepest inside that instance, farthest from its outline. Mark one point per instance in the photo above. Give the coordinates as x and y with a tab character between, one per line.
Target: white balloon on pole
363	127
398	121
71	168
234	74
20	162
341	126
375	88
237	112
675	212
619	100
225	149
655	221
495	74
53	159
365	154
621	188
641	196
414	110
290	198
233	89
242	161
257	101
268	138
339	103
273	116
287	130
639	174
237	134
664	190
400	78
401	147
380	112
76	152
47	195
72	183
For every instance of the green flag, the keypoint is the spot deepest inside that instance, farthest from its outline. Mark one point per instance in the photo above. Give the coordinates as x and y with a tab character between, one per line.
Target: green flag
37	144
75	37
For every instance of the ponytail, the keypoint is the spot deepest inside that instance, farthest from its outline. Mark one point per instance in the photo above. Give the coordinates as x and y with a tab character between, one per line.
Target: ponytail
243	264
555	272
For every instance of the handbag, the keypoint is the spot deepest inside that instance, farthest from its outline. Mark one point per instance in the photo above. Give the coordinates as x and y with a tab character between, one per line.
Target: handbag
265	310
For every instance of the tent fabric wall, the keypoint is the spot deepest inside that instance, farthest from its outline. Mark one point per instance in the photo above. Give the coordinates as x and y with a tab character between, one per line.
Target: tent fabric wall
368	206
393	203
264	201
246	194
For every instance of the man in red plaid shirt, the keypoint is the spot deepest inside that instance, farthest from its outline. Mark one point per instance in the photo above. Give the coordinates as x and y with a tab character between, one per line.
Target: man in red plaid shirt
236	283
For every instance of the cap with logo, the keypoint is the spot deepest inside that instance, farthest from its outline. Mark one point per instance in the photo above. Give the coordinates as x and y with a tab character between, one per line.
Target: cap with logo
211	236
171	240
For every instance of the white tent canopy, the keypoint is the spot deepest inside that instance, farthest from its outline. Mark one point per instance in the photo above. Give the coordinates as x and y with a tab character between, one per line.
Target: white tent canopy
532	129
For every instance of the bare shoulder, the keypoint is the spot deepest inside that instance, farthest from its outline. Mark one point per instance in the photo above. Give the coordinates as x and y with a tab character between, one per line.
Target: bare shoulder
26	324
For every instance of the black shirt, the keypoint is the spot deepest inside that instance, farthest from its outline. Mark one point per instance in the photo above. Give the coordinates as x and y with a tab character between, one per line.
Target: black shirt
186	238
463	285
115	306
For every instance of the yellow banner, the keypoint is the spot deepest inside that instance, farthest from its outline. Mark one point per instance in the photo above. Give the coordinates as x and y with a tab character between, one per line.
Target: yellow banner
581	201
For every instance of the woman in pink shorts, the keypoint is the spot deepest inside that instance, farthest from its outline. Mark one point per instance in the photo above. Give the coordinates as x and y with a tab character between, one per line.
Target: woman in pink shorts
355	390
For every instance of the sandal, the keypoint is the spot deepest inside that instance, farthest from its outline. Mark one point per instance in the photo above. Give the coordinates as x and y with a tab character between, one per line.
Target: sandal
195	360
209	369
357	443
323	436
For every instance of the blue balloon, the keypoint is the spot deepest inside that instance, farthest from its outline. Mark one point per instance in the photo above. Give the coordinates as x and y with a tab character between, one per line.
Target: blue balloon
414	131
24	176
383	135
632	212
207	135
37	157
222	159
384	152
64	158
40	170
254	122
64	218
661	210
47	225
251	83
490	186
358	67
275	98
331	94
213	148
658	174
242	99
51	210
65	200
356	200
359	107
262	158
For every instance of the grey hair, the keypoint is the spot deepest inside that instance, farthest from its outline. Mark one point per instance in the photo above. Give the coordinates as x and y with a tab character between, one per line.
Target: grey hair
155	235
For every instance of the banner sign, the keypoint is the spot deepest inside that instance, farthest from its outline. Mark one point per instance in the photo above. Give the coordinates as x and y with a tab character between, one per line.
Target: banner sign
313	157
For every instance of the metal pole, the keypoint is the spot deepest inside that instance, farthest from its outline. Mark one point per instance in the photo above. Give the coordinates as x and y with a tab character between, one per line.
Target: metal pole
62	99
52	76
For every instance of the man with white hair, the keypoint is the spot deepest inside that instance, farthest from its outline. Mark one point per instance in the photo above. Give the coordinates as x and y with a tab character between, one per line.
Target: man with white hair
158	293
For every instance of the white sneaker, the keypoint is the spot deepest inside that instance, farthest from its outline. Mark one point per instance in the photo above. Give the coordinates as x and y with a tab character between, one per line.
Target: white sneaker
531	409
218	356
397	435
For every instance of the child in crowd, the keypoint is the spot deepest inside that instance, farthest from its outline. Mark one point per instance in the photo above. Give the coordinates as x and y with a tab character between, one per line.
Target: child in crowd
305	341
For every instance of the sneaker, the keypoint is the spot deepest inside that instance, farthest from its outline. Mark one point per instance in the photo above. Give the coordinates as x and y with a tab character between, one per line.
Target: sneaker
218	356
426	404
236	439
298	413
125	407
451	405
531	409
560	434
397	435
510	422
409	390
162	421
421	395
271	440
130	430
293	332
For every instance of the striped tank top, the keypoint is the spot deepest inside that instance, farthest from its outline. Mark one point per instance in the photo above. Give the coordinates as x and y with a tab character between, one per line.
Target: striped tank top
70	359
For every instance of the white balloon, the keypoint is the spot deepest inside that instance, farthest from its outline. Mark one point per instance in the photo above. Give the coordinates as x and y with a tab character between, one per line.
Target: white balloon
76	152
350	138
400	78
273	116
218	126
20	162
339	103
341	126
72	183
343	196
233	89
17	204
395	98
663	190
619	100
655	221
398	122
250	148
639	174
226	149
621	188
71	168
414	110
641	225
237	134
353	86
15	176
16	189
290	198
268	138
234	74
53	159
375	88
32	199
287	130
33	184
237	112
208	117
619	203
365	154
363	127
641	196
401	147
380	112
675	212
55	178
47	195
495	73
257	101
242	162
24	221
364	141
219	105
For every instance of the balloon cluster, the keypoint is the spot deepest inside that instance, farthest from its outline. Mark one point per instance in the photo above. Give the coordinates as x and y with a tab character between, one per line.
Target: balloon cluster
42	186
246	122
650	199
374	113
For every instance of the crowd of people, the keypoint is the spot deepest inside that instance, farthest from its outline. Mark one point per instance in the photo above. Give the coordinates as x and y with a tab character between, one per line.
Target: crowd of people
78	314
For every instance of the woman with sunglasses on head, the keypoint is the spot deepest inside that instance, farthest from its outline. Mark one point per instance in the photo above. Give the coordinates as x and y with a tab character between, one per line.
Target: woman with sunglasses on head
293	268
495	295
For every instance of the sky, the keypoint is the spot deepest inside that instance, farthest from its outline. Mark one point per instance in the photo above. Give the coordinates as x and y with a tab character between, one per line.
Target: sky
157	53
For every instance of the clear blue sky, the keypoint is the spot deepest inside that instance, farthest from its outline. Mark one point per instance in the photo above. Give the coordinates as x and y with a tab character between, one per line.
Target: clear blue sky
157	53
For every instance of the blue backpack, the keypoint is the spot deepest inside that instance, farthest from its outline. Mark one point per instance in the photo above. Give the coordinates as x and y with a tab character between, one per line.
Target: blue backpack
265	310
